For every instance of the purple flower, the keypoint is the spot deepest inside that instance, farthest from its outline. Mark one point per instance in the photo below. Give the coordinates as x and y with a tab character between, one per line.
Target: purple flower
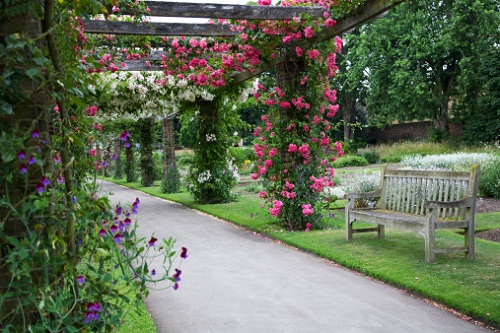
57	159
332	215
60	179
93	310
102	232
104	163
184	253
177	275
35	134
127	222
31	160
113	157
104	223
124	136
126	144
118	238
121	226
152	241
176	286
40	188
21	154
118	210
113	228
80	279
23	168
73	199
45	181
153	272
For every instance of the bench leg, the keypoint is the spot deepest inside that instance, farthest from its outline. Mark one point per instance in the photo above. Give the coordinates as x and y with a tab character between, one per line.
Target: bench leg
381	230
348	224
469	243
430	236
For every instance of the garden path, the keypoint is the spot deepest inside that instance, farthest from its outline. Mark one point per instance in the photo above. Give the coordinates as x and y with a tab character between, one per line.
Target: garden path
236	281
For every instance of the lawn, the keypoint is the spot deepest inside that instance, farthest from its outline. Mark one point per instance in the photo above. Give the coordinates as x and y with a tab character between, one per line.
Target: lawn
470	287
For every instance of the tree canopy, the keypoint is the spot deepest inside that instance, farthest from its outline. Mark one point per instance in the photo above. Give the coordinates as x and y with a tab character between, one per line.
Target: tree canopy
421	59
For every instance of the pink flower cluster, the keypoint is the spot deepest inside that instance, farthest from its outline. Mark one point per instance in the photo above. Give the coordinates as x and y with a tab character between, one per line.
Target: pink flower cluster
276	208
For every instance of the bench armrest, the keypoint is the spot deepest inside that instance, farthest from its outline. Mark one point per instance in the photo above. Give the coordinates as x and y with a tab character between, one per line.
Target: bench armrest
464	202
372	194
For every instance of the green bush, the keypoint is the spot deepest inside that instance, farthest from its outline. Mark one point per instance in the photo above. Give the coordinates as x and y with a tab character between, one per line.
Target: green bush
371	155
391	159
489	181
350	161
185	160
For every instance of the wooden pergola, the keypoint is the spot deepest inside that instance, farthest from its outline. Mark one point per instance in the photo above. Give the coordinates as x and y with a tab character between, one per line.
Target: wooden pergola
159	9
368	10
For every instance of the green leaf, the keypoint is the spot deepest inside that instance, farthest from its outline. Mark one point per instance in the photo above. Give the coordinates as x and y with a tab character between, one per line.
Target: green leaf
6	108
32	72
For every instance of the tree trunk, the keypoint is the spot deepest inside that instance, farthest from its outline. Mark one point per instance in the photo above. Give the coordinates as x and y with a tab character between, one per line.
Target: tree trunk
146	149
349	112
118	159
170	181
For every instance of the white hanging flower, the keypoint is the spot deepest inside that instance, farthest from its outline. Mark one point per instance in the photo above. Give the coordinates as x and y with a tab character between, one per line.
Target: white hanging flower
211	137
205	176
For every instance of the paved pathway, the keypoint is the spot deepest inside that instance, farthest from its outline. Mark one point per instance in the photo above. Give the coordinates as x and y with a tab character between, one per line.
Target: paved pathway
235	281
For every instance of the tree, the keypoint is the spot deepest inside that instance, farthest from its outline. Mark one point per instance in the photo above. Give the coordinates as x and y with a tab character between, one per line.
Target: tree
417	53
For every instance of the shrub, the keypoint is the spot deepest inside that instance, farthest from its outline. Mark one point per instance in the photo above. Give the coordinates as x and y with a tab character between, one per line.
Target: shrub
371	155
489	181
362	182
457	162
350	161
185	159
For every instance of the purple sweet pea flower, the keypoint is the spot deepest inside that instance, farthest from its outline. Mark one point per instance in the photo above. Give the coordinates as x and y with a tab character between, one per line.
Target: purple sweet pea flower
152	241
40	188
80	279
176	286
21	154
126	144
23	168
31	160
35	134
102	232
118	238
184	253
153	272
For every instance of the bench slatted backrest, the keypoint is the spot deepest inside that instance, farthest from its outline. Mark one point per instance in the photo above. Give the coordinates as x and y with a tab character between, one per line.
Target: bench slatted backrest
406	191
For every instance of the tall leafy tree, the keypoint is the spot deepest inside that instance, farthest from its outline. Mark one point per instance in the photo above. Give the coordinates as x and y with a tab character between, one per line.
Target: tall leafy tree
415	56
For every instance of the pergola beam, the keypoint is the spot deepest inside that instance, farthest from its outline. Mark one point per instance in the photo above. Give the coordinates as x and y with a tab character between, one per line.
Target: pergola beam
156	29
244	12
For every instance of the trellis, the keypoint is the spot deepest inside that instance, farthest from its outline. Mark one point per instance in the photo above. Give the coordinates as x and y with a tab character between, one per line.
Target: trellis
368	10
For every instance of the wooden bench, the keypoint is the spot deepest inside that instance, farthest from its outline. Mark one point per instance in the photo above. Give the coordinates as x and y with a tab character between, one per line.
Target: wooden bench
421	201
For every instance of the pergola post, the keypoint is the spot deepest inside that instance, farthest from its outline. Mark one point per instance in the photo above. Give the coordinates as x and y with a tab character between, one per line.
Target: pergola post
170	181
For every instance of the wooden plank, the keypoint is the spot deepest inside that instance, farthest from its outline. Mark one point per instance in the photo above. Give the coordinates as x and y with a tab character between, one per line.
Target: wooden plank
228	11
140	65
156	29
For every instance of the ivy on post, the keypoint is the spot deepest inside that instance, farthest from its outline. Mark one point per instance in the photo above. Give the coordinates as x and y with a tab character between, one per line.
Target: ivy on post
171	179
146	151
211	178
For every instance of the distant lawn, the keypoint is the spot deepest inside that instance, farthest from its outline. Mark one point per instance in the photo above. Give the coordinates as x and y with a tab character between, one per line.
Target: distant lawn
470	287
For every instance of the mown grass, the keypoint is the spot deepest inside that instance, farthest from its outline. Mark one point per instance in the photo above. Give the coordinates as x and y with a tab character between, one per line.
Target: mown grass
468	286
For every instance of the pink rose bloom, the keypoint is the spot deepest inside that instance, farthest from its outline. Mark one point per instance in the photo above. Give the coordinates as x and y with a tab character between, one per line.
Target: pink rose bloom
264	2
272	152
309	32
262	194
330	22
299	51
292	148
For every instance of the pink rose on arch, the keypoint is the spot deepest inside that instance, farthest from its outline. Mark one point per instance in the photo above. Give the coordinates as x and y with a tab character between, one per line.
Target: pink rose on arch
264	2
309	32
273	152
292	148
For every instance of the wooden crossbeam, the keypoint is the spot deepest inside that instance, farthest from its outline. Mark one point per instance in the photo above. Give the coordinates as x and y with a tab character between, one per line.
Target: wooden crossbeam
156	29
207	10
367	11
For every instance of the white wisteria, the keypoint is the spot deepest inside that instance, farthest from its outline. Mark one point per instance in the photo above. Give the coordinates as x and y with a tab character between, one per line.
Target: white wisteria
145	94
